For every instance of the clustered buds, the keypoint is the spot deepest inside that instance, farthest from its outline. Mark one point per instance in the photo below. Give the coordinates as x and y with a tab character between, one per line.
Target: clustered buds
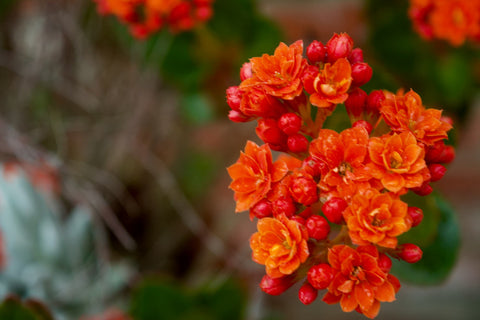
145	17
452	20
330	207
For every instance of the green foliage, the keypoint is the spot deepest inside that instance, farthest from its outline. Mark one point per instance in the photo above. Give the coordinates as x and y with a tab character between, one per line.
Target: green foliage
180	64
196	108
441	74
56	258
439	238
155	299
13	309
196	171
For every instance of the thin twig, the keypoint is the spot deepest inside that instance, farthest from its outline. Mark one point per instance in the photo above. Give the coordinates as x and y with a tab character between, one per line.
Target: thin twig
59	85
169	185
100	206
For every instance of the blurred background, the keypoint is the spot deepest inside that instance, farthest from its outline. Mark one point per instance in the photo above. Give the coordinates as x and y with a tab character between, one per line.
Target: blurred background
114	191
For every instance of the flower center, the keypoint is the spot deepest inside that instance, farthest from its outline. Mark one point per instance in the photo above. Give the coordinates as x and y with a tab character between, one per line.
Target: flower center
376	222
458	17
357	273
286	245
343	168
395	160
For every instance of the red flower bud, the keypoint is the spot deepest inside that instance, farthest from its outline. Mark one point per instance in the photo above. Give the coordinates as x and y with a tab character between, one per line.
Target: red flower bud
297	143
410	253
447	119
316	52
203	12
384	262
333	209
356	56
202	2
307	212
285	206
237	116
180	17
424	190
234	97
139	31
298	219
269	132
262	209
437	171
320	276
447	155
307	294
317	227
308	78
361	74
440	153
355	103
374	102
304	190
246	71
339	46
314	167
416	214
363	124
290	123
276	286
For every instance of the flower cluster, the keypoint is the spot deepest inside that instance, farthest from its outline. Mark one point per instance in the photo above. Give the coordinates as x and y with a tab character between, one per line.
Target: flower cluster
145	17
450	20
330	207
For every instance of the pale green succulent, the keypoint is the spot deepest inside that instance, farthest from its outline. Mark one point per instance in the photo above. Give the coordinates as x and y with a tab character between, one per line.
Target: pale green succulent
52	256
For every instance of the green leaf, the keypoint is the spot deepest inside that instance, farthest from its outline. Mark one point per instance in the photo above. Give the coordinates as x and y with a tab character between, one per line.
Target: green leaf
39	309
455	79
196	108
426	232
440	254
179	64
13	309
157	300
232	20
196	171
226	302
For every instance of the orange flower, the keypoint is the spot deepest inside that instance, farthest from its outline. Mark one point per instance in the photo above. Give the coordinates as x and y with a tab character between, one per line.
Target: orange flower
344	155
145	17
253	175
280	244
398	162
162	6
279	75
329	86
419	11
358	282
375	217
121	8
406	113
455	20
256	103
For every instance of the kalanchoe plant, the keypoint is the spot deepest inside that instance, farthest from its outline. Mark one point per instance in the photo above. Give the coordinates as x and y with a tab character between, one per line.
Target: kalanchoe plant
145	17
330	208
452	20
50	256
